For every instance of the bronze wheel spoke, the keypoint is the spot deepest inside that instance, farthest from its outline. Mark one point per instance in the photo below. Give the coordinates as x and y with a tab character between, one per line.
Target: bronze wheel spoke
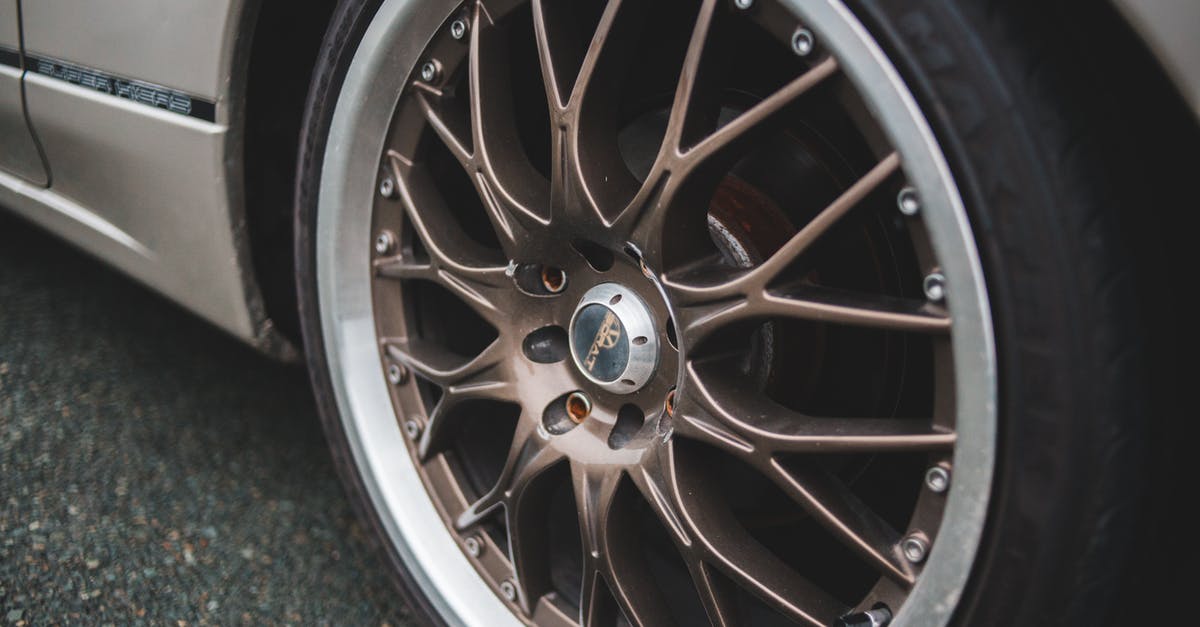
480	378
719	601
810	302
841	512
757	119
830	216
684	173
721	542
513	192
598	177
717	404
522	493
528	458
611	551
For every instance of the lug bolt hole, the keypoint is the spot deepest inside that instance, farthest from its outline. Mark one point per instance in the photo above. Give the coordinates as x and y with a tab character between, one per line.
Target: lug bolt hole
579	407
553	279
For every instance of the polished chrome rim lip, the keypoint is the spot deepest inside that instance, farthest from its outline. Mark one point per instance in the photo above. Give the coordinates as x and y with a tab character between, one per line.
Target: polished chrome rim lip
377	76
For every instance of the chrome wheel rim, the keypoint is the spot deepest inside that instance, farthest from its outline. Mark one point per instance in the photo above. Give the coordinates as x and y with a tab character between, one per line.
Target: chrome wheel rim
441	560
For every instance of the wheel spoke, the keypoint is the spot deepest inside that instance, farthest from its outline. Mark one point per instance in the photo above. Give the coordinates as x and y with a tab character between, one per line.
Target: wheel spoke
820	225
611	552
481	378
757	119
597	175
528	457
810	302
722	542
512	191
716	398
832	504
684	174
523	493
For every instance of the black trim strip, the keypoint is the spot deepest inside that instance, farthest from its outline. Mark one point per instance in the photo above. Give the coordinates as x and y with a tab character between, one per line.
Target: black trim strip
140	92
10	57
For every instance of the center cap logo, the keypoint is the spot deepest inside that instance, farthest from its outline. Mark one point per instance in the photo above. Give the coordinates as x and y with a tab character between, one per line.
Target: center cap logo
614	341
600	342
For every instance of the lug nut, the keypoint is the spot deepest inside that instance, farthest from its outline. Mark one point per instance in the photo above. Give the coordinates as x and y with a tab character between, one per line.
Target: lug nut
579	407
387	187
430	71
935	287
458	29
743	4
508	590
385	242
908	201
474	546
937	479
412	429
397	374
803	42
553	279
914	547
878	617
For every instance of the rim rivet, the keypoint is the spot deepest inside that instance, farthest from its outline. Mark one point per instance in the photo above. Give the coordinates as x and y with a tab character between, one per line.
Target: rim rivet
914	547
937	479
397	374
877	617
474	546
908	201
430	71
387	187
412	429
458	29
803	42
508	590
385	242
579	407
743	4
553	279
935	287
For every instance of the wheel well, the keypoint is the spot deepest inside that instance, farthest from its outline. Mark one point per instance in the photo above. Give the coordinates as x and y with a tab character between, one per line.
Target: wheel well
286	39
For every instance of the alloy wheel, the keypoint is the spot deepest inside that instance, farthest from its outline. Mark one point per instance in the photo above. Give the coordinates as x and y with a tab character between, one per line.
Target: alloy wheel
678	322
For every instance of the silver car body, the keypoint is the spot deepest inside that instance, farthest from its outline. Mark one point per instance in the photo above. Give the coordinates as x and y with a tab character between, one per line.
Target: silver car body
121	130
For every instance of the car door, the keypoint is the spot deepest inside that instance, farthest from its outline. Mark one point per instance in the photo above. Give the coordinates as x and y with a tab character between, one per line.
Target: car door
18	151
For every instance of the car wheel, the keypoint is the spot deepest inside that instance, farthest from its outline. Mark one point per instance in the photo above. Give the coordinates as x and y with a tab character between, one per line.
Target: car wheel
738	311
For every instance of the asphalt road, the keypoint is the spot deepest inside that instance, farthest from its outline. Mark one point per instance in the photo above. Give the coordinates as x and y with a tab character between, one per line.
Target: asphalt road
154	470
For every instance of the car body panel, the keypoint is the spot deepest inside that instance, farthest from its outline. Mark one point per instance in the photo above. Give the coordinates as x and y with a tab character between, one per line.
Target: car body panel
157	193
161	195
157	177
179	44
18	151
1171	29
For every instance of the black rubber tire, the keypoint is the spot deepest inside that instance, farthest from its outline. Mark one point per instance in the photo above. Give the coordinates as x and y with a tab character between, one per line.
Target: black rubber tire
1018	118
1006	102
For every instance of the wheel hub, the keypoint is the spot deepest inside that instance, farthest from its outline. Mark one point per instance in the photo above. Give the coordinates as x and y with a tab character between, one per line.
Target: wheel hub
613	339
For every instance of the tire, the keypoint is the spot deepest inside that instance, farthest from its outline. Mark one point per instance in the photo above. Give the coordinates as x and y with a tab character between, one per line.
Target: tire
1010	108
1062	285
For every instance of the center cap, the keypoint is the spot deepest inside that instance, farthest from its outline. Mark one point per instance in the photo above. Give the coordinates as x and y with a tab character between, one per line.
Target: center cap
613	338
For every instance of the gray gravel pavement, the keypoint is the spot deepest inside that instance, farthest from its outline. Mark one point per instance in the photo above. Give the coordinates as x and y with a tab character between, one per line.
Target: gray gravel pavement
154	470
